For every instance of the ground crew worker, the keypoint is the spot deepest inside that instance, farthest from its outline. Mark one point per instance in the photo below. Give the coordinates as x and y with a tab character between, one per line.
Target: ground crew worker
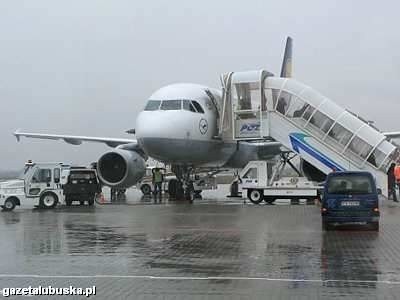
397	175
157	181
392	183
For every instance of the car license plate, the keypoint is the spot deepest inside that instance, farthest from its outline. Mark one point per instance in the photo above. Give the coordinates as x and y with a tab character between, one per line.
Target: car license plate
350	203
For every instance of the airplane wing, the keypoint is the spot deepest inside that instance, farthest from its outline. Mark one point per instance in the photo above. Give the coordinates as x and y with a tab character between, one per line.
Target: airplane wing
393	134
74	139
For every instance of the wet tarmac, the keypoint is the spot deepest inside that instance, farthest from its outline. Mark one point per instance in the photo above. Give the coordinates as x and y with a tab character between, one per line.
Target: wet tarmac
215	248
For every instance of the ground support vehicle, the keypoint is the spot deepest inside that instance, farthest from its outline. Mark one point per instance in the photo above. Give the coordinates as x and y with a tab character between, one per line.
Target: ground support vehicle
38	186
82	185
350	198
262	181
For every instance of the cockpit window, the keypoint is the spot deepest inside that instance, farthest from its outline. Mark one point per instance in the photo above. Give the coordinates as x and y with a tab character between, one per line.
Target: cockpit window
198	107
187	105
153	105
171	105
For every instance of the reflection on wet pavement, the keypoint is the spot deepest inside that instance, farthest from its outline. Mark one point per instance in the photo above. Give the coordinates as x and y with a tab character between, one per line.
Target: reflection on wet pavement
246	249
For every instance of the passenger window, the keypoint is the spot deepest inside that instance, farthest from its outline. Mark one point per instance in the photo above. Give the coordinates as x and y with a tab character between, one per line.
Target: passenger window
309	111
275	94
360	147
297	108
340	134
321	121
376	158
198	107
152	105
283	102
187	105
171	105
57	175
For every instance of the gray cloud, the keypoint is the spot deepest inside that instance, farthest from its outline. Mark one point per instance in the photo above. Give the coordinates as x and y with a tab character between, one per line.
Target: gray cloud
87	67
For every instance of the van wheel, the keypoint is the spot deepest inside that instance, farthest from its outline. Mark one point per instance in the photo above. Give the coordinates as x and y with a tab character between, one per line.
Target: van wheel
375	226
255	196
146	189
48	200
9	205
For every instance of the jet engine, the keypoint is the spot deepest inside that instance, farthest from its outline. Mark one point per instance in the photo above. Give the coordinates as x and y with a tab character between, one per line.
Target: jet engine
311	172
121	168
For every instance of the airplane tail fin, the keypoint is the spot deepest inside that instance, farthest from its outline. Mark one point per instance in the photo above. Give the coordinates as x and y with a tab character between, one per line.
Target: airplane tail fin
286	70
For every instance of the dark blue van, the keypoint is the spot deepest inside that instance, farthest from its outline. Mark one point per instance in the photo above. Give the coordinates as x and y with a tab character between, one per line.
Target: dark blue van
350	197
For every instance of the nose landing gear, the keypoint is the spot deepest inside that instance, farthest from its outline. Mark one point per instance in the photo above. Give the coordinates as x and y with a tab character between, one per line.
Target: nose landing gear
182	187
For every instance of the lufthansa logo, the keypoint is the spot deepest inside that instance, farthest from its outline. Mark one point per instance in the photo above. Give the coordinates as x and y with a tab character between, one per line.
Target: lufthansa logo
203	126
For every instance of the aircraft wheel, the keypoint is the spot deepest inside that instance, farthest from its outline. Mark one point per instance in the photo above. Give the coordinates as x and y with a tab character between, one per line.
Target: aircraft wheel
255	196
172	188
91	200
9	205
48	200
179	191
146	189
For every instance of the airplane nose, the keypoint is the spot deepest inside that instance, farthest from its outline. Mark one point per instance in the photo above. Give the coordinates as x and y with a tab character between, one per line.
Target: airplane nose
163	125
157	125
157	132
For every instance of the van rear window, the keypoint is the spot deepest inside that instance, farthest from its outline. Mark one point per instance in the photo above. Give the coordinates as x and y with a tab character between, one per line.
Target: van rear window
83	175
350	184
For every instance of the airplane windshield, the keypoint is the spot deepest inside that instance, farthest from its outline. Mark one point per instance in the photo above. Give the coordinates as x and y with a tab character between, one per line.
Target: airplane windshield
152	105
187	105
198	107
171	105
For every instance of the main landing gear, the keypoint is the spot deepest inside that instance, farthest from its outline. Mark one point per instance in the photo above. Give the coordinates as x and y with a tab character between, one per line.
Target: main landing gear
182	187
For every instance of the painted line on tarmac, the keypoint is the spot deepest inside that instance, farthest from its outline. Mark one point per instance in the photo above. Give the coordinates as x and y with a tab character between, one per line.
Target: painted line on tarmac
390	282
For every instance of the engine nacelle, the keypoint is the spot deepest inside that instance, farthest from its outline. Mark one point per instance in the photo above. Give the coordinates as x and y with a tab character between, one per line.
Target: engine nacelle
121	168
311	172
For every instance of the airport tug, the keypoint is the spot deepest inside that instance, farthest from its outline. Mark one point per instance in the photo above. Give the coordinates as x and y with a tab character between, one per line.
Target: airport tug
44	185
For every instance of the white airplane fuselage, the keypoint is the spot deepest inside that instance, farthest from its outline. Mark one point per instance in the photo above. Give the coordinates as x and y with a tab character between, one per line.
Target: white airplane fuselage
182	136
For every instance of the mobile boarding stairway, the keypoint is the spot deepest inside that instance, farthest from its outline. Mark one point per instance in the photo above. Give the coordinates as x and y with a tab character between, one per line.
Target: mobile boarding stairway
258	106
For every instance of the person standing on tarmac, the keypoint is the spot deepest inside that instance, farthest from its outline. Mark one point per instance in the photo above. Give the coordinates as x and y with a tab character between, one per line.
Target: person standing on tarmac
397	175
392	182
158	179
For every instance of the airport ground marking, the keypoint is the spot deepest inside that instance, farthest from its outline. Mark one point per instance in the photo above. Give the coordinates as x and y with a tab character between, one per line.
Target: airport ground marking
209	278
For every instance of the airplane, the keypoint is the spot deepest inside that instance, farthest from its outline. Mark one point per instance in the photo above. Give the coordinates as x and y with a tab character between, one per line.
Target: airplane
179	126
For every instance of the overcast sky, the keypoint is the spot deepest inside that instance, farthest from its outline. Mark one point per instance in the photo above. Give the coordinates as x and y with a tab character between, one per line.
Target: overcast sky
87	67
